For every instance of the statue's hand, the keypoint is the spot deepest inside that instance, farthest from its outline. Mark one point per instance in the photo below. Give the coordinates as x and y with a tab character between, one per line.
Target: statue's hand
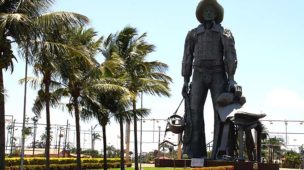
231	84
185	89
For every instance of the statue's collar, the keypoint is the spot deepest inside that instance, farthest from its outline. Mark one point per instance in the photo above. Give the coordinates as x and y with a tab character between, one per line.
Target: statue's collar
215	27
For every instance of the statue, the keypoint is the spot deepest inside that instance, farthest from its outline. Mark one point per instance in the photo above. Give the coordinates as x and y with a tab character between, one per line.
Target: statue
210	55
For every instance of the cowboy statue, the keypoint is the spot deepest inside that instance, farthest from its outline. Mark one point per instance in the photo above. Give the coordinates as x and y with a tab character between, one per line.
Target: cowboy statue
210	58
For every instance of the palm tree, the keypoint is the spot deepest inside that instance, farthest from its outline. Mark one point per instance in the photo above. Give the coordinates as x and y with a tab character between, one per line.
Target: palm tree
21	22
140	75
45	64
274	147
114	65
6	62
101	104
94	136
78	74
93	109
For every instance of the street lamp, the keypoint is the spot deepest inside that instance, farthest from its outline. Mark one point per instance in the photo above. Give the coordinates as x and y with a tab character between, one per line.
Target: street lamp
141	121
65	139
60	136
35	120
286	134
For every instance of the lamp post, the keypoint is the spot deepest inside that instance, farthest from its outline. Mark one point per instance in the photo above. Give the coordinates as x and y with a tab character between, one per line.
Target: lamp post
12	137
158	139
286	134
65	138
24	107
35	120
141	121
60	136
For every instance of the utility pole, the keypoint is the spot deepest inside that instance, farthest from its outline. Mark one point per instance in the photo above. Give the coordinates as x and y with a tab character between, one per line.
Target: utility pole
9	132
286	134
127	142
12	136
35	120
141	121
56	137
24	107
158	140
60	135
65	138
92	138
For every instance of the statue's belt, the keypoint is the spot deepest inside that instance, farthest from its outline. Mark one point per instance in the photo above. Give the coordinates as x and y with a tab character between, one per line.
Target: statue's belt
211	69
208	63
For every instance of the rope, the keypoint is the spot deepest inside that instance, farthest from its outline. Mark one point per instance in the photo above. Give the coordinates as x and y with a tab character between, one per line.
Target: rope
178	107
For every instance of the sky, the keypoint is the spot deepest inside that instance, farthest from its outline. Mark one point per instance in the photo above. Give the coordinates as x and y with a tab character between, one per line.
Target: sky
270	51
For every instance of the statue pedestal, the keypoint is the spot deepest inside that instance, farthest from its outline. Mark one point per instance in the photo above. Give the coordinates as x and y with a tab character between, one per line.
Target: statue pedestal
197	162
229	167
238	165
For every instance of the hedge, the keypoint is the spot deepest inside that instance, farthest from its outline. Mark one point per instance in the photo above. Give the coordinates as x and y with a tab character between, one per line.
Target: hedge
41	161
64	166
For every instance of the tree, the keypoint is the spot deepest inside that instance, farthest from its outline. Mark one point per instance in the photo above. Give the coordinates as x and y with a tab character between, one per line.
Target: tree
139	75
43	139
91	108
21	22
45	64
118	103
78	74
94	136
292	159
273	145
100	106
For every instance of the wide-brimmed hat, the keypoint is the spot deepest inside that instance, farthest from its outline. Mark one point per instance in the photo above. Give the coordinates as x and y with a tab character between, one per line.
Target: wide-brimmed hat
200	10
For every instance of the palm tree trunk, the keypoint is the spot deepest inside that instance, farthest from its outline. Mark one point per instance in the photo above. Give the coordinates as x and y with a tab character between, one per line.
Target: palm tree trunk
122	160
48	126
135	137
2	122
104	135
78	149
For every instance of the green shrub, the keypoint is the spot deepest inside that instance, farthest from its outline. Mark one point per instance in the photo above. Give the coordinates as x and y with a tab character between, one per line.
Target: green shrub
37	163
64	166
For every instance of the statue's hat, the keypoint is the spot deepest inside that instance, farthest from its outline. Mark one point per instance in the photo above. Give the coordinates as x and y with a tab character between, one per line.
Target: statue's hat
200	10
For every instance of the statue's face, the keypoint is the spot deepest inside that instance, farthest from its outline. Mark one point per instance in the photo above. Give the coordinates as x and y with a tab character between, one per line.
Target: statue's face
209	13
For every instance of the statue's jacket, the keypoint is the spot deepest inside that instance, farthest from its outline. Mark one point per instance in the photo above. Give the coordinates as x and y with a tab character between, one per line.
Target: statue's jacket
209	49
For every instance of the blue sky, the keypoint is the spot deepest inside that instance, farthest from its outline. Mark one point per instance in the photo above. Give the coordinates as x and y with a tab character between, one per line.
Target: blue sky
269	46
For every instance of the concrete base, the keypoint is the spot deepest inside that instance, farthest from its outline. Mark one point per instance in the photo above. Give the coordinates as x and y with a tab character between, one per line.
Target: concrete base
238	165
197	162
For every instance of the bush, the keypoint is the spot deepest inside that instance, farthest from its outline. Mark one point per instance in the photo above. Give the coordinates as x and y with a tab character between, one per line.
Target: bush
92	153
37	163
65	166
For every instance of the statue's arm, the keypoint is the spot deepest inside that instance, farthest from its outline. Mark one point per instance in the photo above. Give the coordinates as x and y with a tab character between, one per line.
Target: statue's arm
230	58
188	57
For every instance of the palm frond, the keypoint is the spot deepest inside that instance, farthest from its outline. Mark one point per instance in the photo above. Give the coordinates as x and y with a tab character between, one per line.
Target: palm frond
34	81
61	92
161	76
15	25
129	114
6	55
108	87
39	103
34	7
154	87
67	20
13	19
157	66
